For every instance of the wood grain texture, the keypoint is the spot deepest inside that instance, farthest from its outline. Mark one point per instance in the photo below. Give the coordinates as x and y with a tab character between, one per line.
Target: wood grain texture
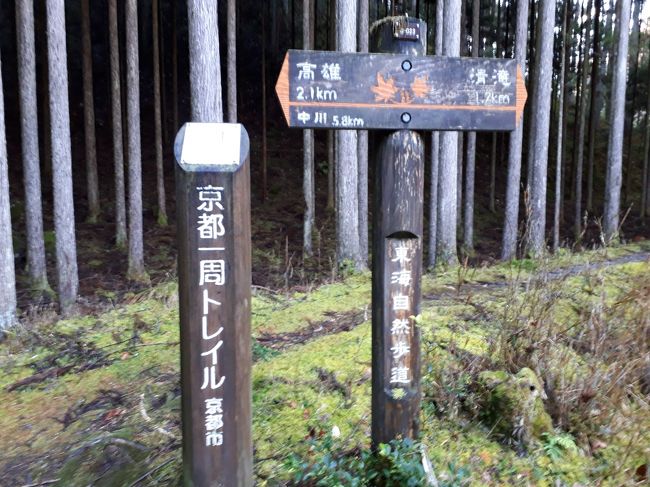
230	463
397	223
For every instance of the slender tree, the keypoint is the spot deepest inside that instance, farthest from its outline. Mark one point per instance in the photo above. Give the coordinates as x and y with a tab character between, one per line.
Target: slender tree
231	31
160	173
470	160
645	202
136	271
66	246
36	266
347	187
435	154
362	147
7	270
582	121
447	182
118	137
539	159
594	114
205	66
614	174
560	125
633	62
511	218
92	182
308	145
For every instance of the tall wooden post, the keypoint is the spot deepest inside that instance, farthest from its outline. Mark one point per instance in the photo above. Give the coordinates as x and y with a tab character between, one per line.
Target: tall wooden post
397	255
214	274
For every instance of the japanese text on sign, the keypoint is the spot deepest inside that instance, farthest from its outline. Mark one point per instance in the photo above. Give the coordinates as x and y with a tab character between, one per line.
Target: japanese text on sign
212	276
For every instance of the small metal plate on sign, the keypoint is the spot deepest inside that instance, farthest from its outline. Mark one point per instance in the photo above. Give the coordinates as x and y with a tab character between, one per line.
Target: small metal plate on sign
210	144
406	29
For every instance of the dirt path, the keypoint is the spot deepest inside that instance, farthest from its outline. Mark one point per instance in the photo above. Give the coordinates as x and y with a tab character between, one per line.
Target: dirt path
346	321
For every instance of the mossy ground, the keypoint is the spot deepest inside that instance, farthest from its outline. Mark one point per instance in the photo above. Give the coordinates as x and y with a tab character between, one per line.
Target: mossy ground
112	412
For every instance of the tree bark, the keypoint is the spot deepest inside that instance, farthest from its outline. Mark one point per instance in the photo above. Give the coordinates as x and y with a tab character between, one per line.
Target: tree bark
7	270
543	71
594	115
447	183
136	271
511	219
92	183
64	225
205	67
160	173
470	159
614	174
362	147
560	135
347	190
175	20
118	136
645	187
582	119
634	63
36	264
435	153
308	145
232	61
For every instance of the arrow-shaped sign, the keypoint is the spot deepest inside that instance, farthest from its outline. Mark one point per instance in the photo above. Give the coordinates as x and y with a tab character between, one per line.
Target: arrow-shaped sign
335	90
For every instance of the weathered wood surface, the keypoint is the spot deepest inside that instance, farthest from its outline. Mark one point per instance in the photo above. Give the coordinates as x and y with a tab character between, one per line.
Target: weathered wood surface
214	272
396	271
323	89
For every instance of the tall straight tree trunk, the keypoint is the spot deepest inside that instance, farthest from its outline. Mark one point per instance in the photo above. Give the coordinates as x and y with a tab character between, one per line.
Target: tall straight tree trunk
532	85
560	135
331	140
66	245
36	266
7	270
362	148
89	116
308	145
470	160
232	61
582	121
594	114
264	118
435	153
205	66
614	174
136	271
447	183
118	136
511	218
175	20
347	187
634	63
611	58
543	72
160	173
645	202
495	135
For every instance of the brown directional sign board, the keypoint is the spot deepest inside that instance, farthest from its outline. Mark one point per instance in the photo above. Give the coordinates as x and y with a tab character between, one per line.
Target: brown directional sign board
335	90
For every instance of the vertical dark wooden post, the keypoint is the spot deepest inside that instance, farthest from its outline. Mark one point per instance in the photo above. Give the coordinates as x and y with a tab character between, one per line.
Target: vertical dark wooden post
397	260
214	274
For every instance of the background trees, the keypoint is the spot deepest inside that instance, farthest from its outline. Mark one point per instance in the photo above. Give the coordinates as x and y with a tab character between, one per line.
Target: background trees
296	224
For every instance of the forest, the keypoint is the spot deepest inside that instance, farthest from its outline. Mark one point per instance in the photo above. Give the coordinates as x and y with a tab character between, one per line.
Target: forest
534	315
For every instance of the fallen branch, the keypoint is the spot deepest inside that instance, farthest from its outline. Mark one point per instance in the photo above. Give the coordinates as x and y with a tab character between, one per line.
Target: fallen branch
147	418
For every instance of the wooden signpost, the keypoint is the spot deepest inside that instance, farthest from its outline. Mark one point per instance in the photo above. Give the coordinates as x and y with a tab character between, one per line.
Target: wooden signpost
335	90
214	274
396	90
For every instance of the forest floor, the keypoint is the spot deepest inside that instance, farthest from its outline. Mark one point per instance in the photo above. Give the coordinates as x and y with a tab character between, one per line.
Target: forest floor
95	399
